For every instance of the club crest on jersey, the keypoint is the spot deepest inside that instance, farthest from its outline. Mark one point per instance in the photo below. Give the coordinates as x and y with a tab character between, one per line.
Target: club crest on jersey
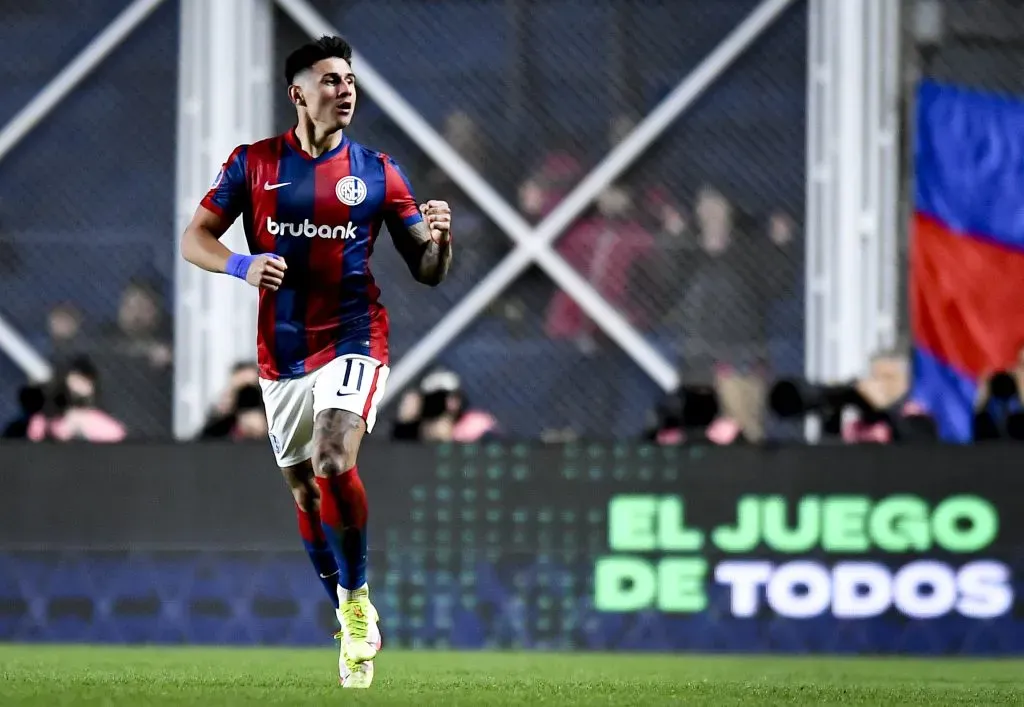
351	191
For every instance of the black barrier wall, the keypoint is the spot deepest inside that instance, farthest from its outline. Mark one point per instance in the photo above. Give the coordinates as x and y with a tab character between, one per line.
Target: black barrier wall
867	549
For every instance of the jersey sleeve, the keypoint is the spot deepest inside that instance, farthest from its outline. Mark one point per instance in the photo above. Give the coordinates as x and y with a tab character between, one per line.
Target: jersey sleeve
230	190
399	201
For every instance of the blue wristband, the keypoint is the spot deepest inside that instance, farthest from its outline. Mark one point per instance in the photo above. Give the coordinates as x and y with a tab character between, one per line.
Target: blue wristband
238	265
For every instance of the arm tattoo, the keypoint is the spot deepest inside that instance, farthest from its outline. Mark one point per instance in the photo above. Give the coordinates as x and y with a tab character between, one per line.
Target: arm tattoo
428	261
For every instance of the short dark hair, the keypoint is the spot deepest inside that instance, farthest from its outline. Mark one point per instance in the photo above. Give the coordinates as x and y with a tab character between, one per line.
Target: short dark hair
142	286
83	366
242	365
32	399
249	397
309	54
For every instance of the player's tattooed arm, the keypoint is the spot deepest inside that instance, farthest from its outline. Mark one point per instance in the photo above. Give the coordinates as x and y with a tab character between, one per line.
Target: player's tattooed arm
426	246
435	257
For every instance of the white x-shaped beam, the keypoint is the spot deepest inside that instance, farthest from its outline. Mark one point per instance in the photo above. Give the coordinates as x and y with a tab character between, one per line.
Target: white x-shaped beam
34	365
535	244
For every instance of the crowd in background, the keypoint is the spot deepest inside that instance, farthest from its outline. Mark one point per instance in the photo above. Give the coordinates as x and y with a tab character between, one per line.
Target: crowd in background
661	264
666	263
110	381
671	238
699	246
875	408
718	283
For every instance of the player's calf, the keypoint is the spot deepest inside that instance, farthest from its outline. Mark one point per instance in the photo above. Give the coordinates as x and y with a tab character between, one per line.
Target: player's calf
319	551
307	511
343	515
343	504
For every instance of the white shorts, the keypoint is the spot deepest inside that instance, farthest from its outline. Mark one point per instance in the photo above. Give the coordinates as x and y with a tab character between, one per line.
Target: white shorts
351	382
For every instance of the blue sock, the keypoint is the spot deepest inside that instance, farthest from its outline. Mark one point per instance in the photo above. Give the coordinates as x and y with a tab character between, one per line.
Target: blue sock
320	553
343	514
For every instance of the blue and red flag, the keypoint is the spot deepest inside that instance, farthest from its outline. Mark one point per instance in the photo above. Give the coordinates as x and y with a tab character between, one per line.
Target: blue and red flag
967	248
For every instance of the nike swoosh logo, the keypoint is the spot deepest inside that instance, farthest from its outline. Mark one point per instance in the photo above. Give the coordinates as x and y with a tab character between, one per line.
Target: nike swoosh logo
342	394
267	186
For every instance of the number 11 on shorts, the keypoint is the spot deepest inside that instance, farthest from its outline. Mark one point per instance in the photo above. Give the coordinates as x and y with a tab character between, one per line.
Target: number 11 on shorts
346	386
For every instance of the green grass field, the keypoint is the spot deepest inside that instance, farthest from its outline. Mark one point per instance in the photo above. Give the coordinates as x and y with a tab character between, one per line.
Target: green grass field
84	675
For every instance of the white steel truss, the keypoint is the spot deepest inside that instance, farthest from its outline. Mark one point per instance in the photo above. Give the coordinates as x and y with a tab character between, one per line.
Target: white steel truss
535	244
224	100
852	185
30	361
35	367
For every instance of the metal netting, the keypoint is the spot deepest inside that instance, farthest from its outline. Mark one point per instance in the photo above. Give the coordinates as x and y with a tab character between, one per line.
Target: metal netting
534	95
978	44
413	308
86	212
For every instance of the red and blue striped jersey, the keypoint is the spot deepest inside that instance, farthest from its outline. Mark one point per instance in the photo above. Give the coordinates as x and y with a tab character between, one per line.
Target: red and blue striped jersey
322	215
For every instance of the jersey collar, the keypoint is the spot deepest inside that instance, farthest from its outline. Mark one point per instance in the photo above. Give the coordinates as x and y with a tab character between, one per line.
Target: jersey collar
293	142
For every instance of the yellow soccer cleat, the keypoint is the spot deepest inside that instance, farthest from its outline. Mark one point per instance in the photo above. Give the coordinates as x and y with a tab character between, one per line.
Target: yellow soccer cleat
354	675
360	636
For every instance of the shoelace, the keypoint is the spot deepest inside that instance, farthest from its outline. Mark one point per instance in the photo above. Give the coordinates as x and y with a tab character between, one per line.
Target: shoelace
356	621
350	664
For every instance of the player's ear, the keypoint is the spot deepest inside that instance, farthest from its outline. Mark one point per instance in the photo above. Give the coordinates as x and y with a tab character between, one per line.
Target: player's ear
295	95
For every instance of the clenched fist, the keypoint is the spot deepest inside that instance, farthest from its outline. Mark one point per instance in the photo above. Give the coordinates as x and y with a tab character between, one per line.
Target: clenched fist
266	271
438	216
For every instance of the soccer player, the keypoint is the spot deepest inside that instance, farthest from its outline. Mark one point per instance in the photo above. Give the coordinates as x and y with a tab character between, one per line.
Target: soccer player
312	202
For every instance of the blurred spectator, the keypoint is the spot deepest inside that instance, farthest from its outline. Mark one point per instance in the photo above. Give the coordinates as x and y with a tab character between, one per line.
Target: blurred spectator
999	406
64	328
544	189
781	276
720	315
461	132
662	275
781	257
247	419
619	128
551	178
742	394
407	421
74	413
603	250
142	329
439	412
250	415
889	414
134	354
223	418
692	415
31	401
876	408
480	244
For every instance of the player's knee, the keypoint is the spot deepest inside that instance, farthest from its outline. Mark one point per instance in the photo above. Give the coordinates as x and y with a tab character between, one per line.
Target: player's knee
336	458
332	462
